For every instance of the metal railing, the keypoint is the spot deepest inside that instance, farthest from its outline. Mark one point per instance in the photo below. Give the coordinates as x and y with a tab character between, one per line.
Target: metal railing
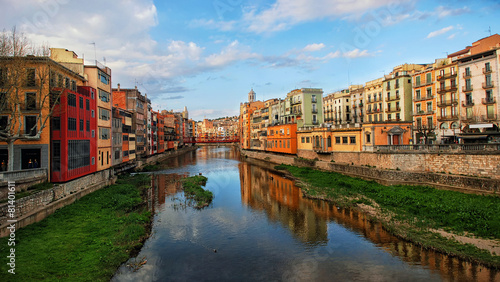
438	148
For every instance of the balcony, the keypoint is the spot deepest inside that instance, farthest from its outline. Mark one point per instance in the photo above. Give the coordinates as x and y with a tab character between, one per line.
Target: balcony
491	117
393	110
392	98
361	104
423	113
396	86
447	89
314	111
467	75
447	118
388	88
446	103
488	100
487	70
315	122
423	98
488	85
295	102
423	83
314	100
446	76
467	88
467	104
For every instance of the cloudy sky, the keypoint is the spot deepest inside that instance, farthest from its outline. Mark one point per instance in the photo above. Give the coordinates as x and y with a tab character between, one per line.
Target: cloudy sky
208	54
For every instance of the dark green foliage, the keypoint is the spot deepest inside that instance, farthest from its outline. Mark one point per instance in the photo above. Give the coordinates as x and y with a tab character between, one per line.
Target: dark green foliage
147	168
192	190
85	241
451	210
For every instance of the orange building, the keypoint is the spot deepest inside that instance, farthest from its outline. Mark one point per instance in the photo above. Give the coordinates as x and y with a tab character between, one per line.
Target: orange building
282	138
424	105
387	133
28	88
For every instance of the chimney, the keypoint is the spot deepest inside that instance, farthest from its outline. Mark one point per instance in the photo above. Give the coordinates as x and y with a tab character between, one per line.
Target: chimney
136	87
118	86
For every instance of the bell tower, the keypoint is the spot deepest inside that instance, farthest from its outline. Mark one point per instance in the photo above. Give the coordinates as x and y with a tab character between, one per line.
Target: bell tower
251	96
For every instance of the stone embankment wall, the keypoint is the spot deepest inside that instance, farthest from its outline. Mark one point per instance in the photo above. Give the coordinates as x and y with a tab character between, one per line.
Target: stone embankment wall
375	166
477	165
38	206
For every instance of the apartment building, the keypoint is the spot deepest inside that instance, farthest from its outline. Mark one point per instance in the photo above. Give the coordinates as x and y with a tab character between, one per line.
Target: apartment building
448	124
425	105
372	99
303	106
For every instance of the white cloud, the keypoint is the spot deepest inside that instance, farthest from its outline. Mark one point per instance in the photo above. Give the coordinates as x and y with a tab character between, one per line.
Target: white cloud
440	31
314	47
356	53
211	24
285	13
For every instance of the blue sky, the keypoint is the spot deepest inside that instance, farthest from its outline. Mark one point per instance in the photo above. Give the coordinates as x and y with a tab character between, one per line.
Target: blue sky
208	54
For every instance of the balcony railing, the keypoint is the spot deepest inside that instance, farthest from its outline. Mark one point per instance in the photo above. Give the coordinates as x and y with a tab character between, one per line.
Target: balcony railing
467	104
423	83
488	100
445	103
447	118
392	98
314	100
467	88
447	89
489	117
314	111
437	148
488	85
423	98
467	75
446	76
422	113
393	110
487	70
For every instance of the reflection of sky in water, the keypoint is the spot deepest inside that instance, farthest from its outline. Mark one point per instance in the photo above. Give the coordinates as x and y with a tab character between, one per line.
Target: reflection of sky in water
264	230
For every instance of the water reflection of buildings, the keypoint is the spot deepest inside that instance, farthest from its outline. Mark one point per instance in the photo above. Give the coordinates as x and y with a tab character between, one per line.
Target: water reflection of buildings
307	219
163	185
219	152
282	201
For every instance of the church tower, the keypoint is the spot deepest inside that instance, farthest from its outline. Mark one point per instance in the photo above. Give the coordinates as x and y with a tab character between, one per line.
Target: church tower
251	96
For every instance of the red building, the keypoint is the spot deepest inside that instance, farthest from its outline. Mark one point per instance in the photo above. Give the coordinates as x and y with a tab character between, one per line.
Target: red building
73	134
161	132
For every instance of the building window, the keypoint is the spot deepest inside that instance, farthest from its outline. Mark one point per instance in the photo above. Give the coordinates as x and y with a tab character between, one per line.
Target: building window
103	77
30	127
344	139
429	92
93	133
352	139
417	94
72	124
73	86
368	138
337	140
78	153
429	107
308	140
117	155
93	114
303	139
81	102
56	155
103	133
88	125
72	100
30	77
30	101
87	102
103	114
104	96
467	71
81	125
329	141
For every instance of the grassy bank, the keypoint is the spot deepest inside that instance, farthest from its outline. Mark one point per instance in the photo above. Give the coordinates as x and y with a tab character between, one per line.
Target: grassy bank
411	211
193	190
84	241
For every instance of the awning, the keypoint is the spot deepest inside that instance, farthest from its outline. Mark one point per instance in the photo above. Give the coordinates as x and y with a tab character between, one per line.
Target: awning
474	137
486	125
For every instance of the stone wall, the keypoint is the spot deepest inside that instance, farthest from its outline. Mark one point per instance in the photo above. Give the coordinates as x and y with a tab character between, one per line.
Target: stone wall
392	169
476	165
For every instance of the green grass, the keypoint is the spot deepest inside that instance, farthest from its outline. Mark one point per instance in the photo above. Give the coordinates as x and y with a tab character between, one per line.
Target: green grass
193	190
419	207
85	241
148	168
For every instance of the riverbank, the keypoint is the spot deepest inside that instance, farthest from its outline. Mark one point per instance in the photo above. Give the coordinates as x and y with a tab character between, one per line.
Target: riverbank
85	241
454	223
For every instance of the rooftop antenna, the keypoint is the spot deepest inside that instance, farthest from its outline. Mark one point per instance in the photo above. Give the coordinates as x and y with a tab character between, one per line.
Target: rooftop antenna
104	59
489	30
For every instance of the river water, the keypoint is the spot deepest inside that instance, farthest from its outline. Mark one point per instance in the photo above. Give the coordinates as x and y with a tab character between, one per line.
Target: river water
260	228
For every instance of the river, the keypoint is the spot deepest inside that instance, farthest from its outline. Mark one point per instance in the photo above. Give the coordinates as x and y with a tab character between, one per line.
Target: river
260	228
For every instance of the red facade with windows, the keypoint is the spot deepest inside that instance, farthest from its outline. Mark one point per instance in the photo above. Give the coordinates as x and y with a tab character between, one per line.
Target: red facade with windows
73	134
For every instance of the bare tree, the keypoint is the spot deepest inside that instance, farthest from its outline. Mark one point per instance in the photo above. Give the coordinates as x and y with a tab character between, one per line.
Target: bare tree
24	90
425	130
